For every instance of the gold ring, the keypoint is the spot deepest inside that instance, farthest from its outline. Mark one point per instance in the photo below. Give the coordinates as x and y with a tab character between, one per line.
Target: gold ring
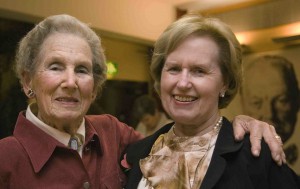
277	137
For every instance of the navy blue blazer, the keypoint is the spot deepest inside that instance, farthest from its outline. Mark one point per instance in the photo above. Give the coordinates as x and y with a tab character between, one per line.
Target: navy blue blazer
232	164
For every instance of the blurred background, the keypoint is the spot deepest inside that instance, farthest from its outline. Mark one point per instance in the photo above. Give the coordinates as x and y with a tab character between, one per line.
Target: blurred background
129	28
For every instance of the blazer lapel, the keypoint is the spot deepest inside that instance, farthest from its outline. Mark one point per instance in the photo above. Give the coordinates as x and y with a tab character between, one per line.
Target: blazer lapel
225	144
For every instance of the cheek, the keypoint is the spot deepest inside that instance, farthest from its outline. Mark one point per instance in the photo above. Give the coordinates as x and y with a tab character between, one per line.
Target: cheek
166	82
45	79
42	85
163	93
165	101
87	88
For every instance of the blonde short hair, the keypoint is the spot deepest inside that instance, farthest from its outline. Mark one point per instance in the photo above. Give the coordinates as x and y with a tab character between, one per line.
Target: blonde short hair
230	58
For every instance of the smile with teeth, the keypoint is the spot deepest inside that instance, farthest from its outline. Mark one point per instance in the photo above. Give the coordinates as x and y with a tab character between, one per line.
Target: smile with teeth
67	99
185	98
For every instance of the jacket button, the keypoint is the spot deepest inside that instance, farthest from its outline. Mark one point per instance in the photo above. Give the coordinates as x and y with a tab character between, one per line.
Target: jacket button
86	185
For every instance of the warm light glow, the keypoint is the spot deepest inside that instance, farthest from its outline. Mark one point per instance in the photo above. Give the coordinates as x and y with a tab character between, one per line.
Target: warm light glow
289	29
112	69
245	38
241	38
261	39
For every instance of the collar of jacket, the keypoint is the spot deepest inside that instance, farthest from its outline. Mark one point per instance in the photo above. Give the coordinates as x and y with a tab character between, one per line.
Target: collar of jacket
40	146
225	146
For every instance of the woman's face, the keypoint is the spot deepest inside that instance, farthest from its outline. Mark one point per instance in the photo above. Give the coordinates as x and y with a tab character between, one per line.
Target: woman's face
191	82
63	82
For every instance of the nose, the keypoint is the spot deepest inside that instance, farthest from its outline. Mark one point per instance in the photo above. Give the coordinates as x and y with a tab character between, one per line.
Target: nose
184	81
69	80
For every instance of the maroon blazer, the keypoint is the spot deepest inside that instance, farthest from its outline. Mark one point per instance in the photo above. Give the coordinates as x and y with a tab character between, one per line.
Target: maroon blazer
33	159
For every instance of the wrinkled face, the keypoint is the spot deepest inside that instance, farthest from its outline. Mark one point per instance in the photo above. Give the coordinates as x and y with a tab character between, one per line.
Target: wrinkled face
266	98
63	82
191	81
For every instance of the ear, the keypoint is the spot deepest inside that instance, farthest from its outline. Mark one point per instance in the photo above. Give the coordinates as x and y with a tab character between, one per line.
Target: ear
223	91
94	95
26	83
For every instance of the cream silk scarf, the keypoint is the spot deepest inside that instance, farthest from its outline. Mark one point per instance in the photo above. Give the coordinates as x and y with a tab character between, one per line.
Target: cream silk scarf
179	162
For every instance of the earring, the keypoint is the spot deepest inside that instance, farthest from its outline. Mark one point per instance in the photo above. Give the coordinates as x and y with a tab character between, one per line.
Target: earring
222	94
30	93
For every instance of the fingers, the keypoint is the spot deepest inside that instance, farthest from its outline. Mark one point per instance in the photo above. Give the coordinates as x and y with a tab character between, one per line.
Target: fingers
256	133
255	145
275	144
243	124
240	127
277	137
268	133
258	129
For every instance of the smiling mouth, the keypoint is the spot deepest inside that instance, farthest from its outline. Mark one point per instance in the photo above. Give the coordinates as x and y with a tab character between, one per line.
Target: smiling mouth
184	98
67	99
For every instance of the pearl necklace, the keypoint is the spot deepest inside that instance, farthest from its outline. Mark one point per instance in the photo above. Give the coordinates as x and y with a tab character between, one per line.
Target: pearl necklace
218	125
216	128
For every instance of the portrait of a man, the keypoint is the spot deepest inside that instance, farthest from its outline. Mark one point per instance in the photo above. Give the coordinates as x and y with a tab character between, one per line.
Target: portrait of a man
270	93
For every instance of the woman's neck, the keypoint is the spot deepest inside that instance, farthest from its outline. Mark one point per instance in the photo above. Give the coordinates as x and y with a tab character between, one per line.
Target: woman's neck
63	126
196	130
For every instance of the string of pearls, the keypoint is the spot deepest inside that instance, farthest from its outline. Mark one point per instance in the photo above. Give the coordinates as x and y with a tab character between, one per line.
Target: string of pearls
218	125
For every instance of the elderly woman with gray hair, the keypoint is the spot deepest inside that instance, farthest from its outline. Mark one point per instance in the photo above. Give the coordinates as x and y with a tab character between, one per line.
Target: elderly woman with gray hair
61	66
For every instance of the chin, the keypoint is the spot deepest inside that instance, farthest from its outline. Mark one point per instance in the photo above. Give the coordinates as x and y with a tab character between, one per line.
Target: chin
70	115
183	120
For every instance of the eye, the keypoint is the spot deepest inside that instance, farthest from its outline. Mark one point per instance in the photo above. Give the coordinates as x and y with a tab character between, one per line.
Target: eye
55	67
198	71
82	70
256	103
173	69
283	99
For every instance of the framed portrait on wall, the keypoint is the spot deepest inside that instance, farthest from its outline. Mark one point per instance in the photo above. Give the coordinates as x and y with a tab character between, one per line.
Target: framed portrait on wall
270	92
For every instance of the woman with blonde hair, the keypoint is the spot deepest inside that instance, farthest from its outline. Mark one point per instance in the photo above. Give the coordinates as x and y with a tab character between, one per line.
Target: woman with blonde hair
196	66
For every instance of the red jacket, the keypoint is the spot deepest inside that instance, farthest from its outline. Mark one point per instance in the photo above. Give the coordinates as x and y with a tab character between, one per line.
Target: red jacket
33	159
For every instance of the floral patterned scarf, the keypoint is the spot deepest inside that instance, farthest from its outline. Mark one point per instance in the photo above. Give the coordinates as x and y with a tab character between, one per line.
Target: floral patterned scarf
178	162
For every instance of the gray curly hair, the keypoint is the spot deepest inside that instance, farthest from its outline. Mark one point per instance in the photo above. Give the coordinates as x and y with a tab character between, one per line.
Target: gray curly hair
30	46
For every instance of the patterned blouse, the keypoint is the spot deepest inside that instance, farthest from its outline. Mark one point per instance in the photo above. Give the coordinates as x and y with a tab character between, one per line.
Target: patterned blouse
178	162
